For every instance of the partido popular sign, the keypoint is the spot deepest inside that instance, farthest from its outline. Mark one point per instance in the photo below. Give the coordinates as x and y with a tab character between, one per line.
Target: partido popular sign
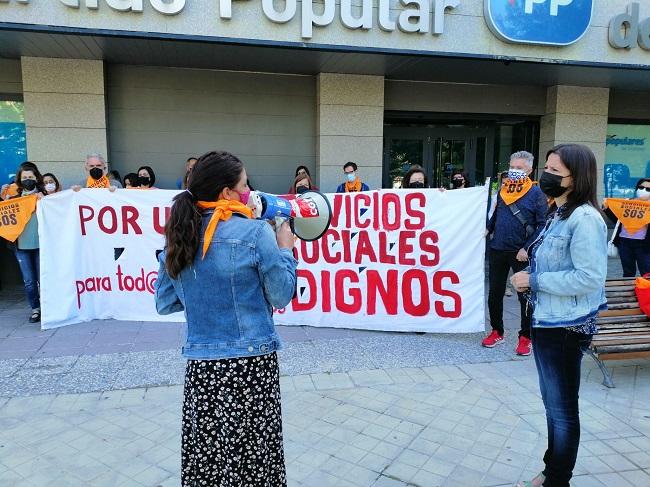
392	260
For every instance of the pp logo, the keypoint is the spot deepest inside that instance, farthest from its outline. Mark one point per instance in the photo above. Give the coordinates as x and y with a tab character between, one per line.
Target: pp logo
548	22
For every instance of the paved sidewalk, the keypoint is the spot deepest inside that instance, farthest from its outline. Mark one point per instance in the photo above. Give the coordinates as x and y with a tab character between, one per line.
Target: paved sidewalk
469	425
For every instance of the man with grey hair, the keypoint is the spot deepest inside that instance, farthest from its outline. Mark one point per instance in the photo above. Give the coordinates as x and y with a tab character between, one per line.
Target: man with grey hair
518	219
96	171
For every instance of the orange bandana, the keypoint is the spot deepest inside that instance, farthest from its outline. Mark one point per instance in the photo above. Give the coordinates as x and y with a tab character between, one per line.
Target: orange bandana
511	191
102	182
633	214
223	210
14	215
354	187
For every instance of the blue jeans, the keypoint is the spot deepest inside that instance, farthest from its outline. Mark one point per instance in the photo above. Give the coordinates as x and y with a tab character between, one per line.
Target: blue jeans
558	355
634	253
30	269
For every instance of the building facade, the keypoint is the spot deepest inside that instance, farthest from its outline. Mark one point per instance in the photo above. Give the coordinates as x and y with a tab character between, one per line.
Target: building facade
448	84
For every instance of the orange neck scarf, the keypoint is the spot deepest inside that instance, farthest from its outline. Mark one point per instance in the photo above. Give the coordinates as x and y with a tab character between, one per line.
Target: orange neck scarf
102	182
223	210
633	214
511	191
353	187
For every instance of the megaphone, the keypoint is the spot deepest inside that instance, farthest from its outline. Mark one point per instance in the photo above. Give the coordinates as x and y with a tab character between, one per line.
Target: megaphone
309	213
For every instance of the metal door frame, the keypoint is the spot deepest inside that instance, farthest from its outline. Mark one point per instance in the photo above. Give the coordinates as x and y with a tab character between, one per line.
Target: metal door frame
430	160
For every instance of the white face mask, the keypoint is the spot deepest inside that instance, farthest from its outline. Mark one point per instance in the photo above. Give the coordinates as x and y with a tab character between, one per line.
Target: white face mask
642	194
50	187
517	175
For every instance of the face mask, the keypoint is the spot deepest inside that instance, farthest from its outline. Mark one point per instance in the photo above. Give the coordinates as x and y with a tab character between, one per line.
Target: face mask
642	194
29	184
50	187
96	173
517	175
457	183
244	197
145	181
551	185
351	177
416	185
302	189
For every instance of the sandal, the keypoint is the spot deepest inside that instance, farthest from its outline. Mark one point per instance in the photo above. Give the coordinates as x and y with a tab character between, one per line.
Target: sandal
538	481
35	317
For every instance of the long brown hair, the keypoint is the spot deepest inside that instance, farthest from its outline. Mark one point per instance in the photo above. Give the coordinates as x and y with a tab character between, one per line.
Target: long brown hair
31	167
582	166
213	172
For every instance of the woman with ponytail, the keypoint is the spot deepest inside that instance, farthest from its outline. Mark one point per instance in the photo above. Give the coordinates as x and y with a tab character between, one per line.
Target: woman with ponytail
227	271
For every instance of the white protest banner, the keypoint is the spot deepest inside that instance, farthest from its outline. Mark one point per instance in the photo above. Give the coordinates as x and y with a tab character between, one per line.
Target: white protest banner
98	255
398	260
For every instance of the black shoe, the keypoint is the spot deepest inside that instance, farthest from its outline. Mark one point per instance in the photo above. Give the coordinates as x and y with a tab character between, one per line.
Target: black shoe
35	317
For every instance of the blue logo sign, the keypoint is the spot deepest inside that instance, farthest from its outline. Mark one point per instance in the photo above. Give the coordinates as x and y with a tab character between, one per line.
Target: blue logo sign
549	22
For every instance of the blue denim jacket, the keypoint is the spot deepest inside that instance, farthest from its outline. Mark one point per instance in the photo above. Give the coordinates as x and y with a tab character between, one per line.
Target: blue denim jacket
229	295
569	268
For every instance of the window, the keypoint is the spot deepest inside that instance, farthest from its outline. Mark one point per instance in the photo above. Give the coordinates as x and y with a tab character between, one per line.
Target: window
627	158
13	148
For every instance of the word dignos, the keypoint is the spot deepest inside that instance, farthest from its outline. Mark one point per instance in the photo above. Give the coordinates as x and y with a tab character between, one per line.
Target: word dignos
547	22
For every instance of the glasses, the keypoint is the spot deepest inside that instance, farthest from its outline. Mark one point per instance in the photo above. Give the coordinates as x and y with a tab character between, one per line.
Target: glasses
644	187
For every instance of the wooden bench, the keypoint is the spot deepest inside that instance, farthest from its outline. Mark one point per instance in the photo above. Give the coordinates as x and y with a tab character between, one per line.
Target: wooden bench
623	329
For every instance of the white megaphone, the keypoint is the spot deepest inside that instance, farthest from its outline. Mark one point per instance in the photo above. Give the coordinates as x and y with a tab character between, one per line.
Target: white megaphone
309	213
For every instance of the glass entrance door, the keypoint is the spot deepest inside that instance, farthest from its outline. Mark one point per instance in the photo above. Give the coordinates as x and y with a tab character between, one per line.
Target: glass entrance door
439	150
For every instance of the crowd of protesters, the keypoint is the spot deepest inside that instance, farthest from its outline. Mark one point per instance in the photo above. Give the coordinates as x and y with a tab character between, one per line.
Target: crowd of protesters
549	233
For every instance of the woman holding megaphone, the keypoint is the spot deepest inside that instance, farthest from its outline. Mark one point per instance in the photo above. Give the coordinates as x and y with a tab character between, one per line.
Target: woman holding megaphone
227	271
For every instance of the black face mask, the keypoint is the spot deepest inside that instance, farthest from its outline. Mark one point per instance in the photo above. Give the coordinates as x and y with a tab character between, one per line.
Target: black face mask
457	183
551	185
96	173
416	185
29	184
302	189
145	181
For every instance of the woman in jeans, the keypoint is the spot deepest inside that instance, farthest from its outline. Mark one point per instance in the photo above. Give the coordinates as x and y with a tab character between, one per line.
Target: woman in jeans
26	247
227	271
566	283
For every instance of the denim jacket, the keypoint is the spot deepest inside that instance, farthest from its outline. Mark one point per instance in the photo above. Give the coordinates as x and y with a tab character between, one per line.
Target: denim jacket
229	295
569	268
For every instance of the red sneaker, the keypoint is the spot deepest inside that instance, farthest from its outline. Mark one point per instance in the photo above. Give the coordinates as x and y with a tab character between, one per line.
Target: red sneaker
492	339
524	346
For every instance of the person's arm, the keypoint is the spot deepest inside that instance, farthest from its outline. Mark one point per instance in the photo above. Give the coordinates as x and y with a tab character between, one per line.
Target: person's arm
541	209
277	268
588	249
167	301
493	219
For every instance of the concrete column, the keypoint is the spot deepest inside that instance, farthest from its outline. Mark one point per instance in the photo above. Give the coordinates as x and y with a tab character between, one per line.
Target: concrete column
65	114
350	128
576	114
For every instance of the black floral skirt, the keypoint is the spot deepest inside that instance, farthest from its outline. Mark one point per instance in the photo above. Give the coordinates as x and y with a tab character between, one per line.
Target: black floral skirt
232	423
